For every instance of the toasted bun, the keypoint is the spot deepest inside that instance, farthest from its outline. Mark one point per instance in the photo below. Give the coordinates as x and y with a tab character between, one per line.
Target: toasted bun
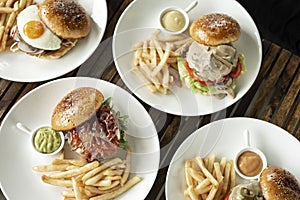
65	48
66	18
75	108
215	29
278	184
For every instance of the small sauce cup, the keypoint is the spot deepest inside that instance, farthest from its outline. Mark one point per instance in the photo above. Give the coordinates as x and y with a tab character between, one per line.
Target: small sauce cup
44	140
174	20
249	162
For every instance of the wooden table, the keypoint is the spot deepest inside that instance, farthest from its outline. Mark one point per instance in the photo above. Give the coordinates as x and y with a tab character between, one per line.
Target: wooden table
274	96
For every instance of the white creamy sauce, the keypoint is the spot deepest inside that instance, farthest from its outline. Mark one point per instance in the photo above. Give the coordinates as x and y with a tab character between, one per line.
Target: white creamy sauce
211	63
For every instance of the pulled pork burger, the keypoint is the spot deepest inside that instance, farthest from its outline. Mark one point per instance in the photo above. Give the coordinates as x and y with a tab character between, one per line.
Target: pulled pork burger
212	63
51	29
93	128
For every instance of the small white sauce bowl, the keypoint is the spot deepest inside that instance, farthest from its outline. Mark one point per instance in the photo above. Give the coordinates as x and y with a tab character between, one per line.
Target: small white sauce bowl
250	149
32	134
259	153
180	10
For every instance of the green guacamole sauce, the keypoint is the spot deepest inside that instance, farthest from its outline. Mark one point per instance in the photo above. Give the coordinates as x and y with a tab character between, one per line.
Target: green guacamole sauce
46	140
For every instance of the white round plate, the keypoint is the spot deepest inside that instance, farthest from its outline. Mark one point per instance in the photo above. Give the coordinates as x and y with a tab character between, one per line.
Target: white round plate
19	181
225	138
24	68
140	20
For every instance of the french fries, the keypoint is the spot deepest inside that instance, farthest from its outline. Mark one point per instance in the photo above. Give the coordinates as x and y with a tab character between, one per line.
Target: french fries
9	10
89	180
155	61
207	178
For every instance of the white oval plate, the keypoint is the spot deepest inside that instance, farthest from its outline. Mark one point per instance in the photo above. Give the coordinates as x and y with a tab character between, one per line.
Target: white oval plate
19	181
225	138
139	21
24	68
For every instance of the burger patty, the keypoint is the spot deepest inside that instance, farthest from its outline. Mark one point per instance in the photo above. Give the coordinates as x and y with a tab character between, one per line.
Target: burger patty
96	138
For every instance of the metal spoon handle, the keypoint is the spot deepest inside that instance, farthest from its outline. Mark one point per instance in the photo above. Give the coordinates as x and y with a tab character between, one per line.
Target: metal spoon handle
191	6
23	128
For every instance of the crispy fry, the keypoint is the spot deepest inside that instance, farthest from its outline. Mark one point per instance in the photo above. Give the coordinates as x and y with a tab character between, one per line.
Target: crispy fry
163	60
192	193
226	179
6	10
111	185
76	162
232	175
57	182
76	189
188	178
130	183
146	82
22	4
92	179
203	187
102	167
113	172
9	9
104	182
197	175
211	160
206	172
223	164
153	57
212	193
74	172
218	172
208	178
50	168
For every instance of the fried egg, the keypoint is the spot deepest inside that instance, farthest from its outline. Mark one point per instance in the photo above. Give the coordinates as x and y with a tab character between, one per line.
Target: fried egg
34	32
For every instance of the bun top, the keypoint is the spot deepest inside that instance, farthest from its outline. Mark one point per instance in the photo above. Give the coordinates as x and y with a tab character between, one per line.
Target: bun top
66	18
75	108
215	29
277	184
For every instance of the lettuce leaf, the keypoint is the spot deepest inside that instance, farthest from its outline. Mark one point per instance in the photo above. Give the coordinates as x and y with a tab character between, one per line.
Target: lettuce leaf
197	87
123	123
188	80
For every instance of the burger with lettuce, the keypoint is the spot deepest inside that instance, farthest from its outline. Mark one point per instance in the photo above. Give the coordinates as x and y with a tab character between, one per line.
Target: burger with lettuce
212	63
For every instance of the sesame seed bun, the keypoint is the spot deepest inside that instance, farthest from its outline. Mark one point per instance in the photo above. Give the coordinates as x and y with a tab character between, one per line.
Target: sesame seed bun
215	29
75	108
65	18
278	184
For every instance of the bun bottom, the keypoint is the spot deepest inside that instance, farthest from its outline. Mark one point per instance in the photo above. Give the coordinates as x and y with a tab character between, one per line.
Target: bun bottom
67	45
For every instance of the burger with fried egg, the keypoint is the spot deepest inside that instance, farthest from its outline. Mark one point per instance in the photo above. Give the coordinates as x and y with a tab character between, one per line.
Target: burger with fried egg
93	128
50	29
212	63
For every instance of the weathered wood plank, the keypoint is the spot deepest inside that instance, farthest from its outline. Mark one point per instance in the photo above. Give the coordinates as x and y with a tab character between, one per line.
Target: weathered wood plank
262	96
9	98
279	90
287	103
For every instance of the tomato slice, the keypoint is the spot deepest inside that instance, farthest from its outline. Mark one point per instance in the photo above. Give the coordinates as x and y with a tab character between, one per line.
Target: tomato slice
236	72
227	197
191	73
